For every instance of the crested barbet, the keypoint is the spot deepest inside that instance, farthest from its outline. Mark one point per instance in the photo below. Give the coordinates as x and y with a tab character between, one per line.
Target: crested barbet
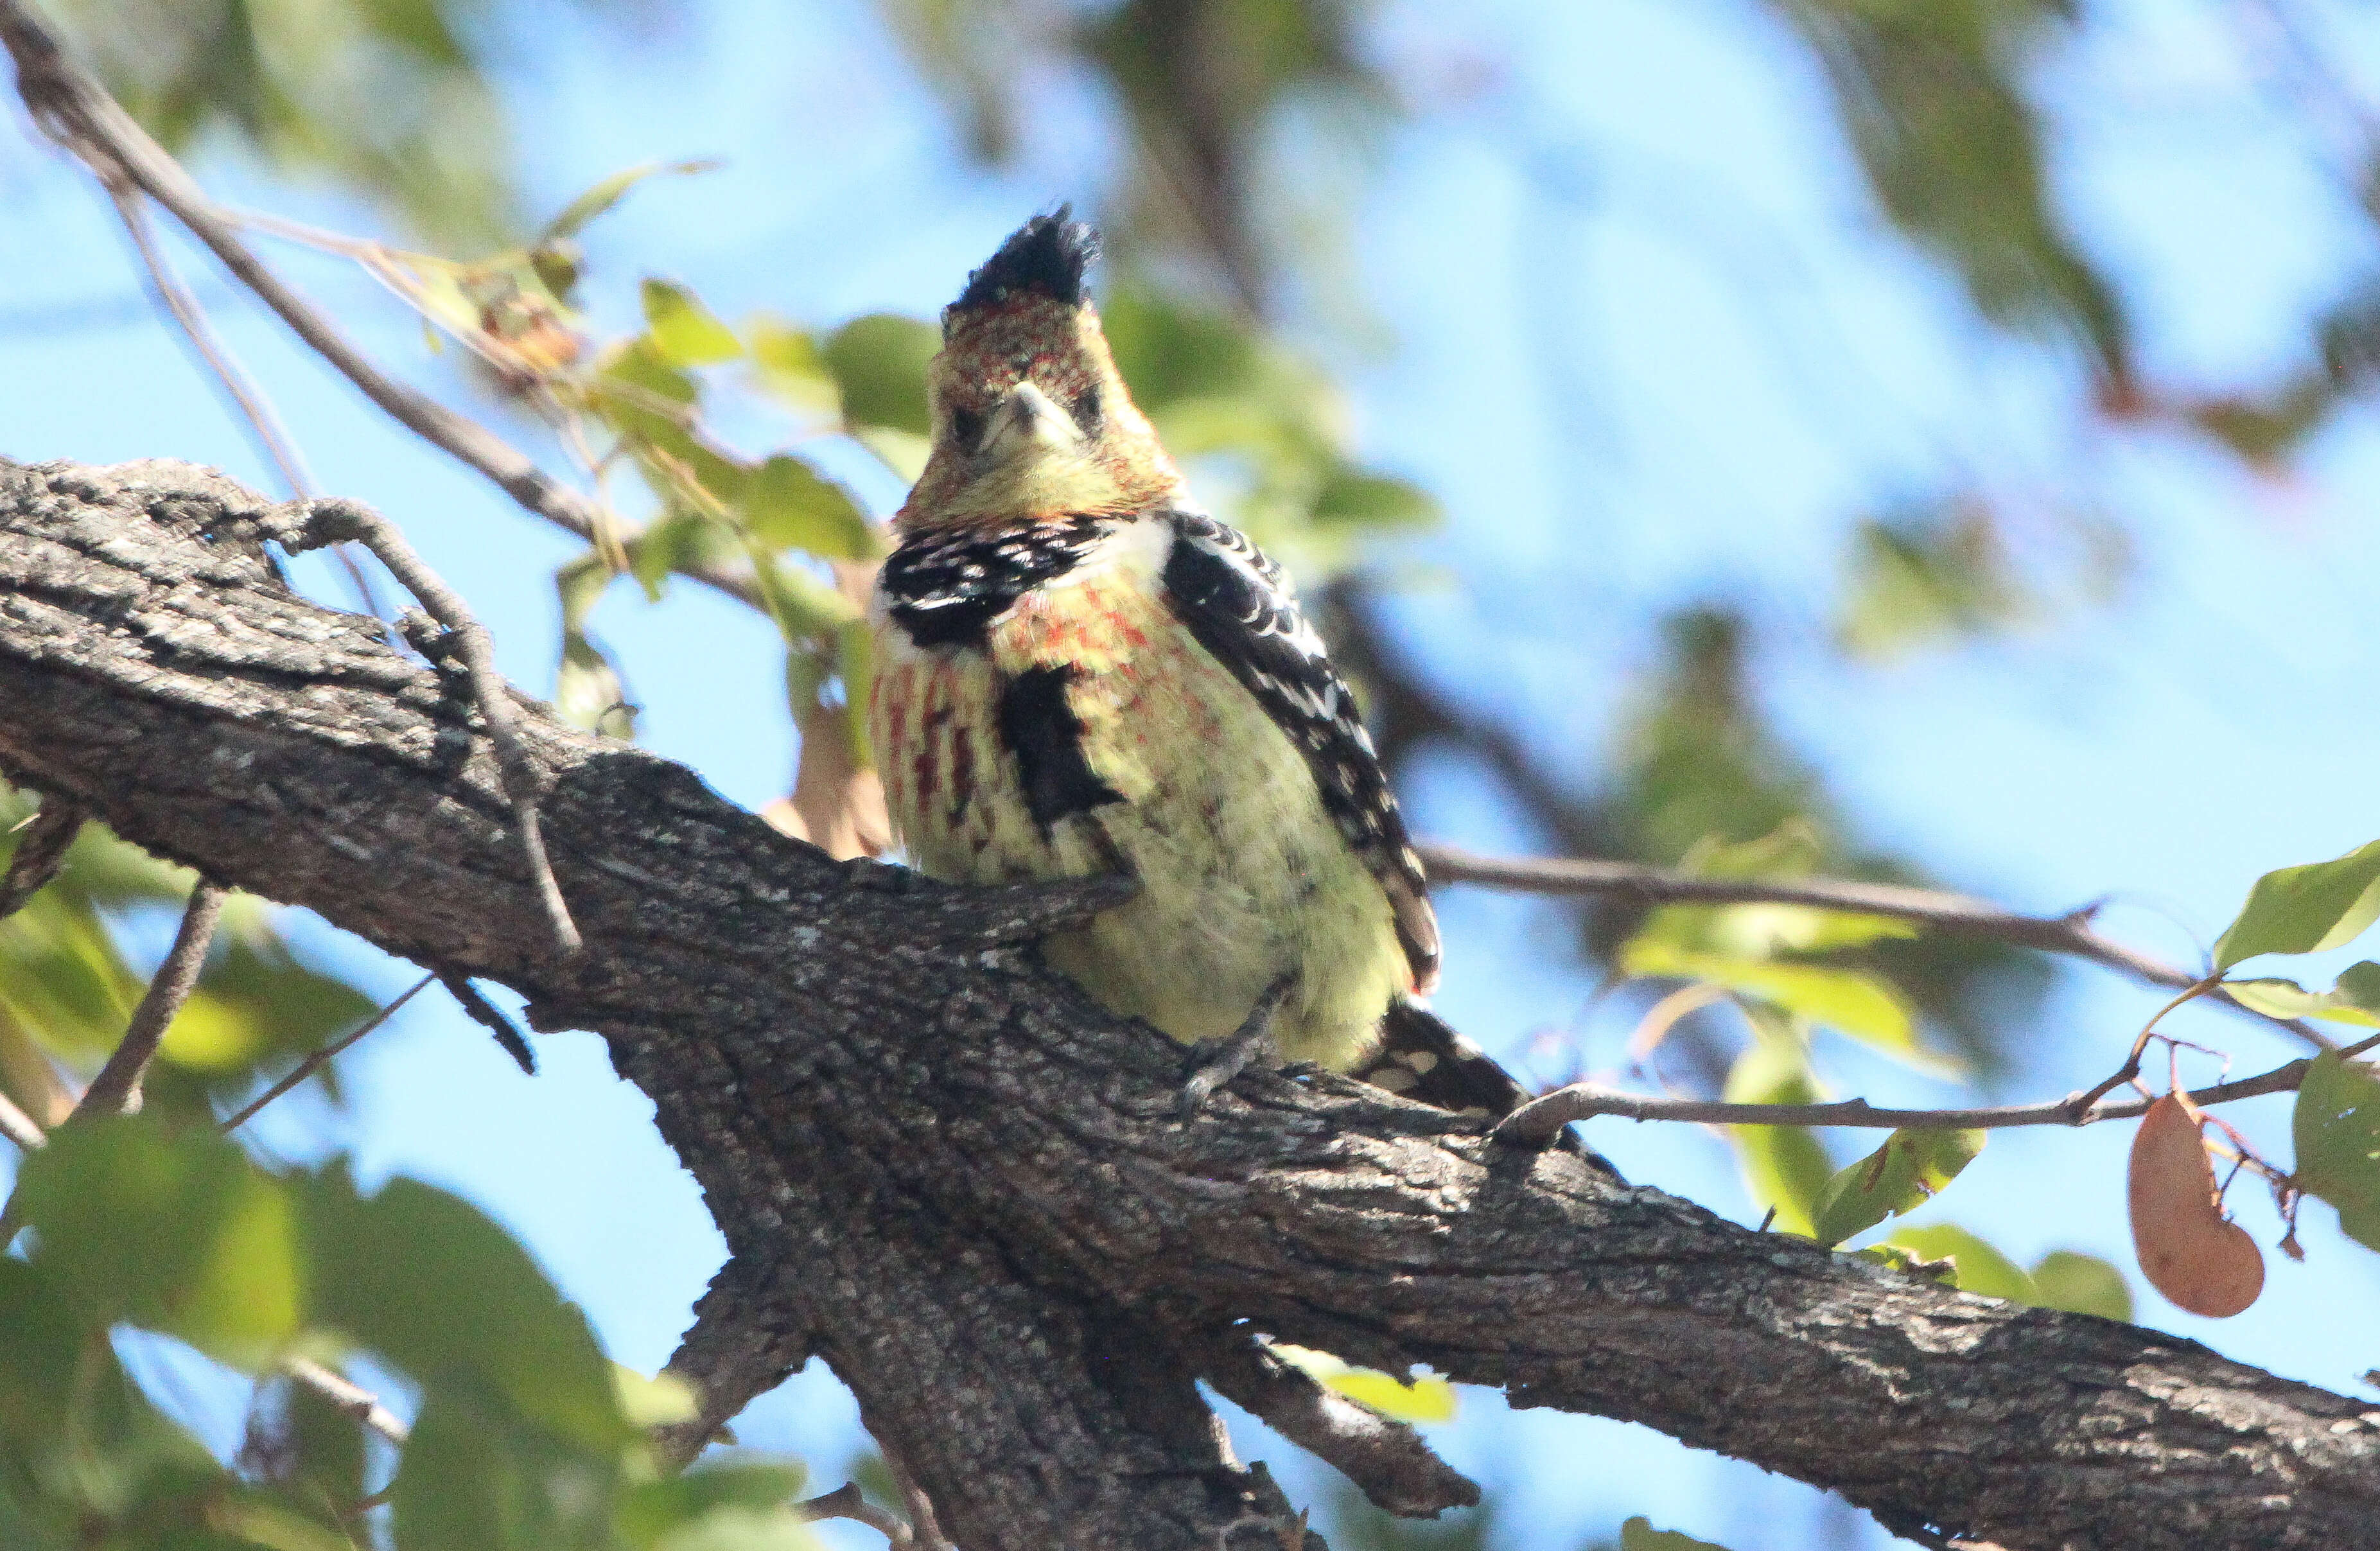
1078	671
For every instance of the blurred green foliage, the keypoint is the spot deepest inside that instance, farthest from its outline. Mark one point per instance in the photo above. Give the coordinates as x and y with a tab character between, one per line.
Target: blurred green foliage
523	1440
67	989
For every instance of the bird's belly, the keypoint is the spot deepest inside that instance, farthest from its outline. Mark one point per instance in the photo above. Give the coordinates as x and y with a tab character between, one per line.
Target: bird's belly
1244	876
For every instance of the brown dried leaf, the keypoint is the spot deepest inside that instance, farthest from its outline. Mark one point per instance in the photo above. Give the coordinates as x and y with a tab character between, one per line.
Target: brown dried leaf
2189	1250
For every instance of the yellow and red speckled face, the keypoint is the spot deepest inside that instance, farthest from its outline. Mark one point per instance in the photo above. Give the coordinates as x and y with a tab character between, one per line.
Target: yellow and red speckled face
1032	420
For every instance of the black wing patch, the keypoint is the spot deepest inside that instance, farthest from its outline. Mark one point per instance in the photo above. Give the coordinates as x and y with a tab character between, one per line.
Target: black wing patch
1239	606
1045	734
947	588
1422	1058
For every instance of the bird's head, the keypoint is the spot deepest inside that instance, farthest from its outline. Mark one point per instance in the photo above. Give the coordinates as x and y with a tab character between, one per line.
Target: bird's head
1031	418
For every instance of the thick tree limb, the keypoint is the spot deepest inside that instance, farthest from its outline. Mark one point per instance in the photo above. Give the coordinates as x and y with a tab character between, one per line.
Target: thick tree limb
970	1189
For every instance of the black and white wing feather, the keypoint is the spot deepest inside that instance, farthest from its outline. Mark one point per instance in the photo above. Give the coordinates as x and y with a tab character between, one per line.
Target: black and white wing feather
1243	608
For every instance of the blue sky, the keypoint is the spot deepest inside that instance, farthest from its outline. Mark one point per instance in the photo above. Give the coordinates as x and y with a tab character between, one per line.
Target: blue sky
1640	330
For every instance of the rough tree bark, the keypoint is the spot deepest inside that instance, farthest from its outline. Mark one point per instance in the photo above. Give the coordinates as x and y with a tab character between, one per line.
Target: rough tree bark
967	1189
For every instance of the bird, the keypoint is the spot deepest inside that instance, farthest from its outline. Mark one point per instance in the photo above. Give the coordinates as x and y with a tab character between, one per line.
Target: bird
1076	669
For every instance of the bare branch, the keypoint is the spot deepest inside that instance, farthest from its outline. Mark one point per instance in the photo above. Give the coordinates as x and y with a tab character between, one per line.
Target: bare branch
117	1089
993	1223
272	437
329	522
348	1396
18	1126
483	1012
1393	1464
847	1501
77	111
41	845
315	1061
1950	915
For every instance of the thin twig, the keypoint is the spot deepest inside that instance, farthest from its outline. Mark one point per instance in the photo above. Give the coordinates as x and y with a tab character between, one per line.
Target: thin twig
1950	915
484	1014
348	1396
18	1126
117	1089
169	291
175	297
74	109
1388	1459
41	845
1540	1118
924	1529
330	521
315	1061
847	1501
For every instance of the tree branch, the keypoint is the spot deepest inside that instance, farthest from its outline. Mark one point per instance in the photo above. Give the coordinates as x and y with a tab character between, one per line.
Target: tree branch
41	844
1951	914
966	1187
75	111
117	1087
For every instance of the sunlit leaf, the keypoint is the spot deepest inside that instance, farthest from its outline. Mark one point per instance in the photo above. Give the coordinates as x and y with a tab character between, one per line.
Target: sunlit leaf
1850	1001
1785	1167
2336	1128
683	330
1976	1266
1915	580
2081	1284
652	1402
1637	1533
603	196
2354	999
787	361
178	1233
652	1513
2305	909
1422	1400
787	504
1909	1169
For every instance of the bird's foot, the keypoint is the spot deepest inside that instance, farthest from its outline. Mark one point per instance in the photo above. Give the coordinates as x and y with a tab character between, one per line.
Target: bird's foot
1213	1063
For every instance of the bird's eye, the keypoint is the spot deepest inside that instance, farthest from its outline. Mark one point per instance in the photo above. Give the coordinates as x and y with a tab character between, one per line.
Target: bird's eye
966	427
1086	410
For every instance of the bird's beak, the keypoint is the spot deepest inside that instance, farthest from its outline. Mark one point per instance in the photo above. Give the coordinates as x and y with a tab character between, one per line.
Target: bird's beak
1030	420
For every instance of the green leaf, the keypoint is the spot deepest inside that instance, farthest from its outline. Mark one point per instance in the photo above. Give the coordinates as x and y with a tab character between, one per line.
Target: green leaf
682	330
2336	1130
587	690
788	364
474	1478
178	1233
1637	1533
2305	910
2081	1284
879	362
1848	1000
1976	1266
787	506
1908	1170
1422	1400
2354	999
1784	1166
398	1271
728	1494
1350	498
603	196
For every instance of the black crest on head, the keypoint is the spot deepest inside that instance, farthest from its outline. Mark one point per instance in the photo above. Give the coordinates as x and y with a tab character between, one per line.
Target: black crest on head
1046	257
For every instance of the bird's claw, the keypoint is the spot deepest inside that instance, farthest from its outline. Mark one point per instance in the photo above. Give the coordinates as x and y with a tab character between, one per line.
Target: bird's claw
1213	1063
